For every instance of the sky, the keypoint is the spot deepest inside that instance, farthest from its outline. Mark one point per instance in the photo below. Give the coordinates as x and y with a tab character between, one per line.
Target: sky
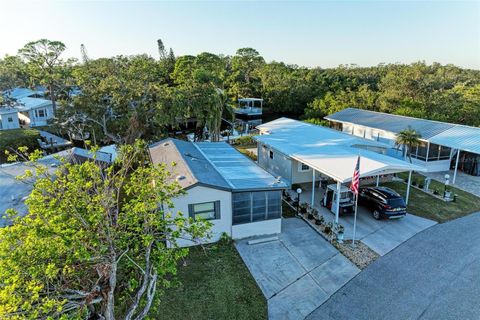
314	33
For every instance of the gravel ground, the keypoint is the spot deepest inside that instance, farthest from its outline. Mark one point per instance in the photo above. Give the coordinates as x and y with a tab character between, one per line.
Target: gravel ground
361	255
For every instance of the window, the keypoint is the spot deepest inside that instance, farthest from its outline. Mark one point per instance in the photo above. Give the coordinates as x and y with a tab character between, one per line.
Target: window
206	210
256	206
10	119
302	167
40	113
271	154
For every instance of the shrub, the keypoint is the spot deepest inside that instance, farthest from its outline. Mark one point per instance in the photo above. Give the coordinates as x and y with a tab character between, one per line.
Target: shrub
15	138
245	141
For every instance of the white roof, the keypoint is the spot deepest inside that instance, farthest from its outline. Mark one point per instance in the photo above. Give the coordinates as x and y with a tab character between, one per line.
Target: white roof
8	110
328	151
460	137
26	104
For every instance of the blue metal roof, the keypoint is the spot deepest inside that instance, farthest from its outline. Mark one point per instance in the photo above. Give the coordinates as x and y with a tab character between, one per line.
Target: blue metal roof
390	122
214	164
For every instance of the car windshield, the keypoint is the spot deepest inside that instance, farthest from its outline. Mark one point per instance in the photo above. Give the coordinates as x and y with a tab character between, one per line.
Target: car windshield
397	202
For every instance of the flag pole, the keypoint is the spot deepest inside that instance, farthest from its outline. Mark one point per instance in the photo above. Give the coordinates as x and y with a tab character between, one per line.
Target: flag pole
355	220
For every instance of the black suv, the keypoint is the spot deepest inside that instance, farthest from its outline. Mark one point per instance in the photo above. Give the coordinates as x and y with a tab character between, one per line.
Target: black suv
384	202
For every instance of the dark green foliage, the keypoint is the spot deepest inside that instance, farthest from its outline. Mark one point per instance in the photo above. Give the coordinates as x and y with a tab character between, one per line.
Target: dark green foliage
11	140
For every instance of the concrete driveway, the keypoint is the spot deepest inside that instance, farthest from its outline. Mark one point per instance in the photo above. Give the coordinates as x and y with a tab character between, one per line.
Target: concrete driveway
434	275
297	272
381	235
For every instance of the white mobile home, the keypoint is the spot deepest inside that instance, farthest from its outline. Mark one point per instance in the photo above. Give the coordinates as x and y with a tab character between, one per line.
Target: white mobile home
223	186
300	152
34	112
443	145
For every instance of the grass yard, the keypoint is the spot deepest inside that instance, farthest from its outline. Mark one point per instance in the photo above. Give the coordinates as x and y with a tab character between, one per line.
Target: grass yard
213	285
427	206
16	138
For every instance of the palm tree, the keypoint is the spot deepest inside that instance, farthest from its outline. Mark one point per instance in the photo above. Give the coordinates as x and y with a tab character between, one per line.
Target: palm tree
408	138
220	105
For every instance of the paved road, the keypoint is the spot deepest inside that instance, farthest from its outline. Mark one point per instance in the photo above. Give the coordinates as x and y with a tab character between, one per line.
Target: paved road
434	275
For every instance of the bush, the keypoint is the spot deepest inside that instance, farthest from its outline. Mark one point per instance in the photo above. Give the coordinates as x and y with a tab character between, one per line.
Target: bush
15	138
245	141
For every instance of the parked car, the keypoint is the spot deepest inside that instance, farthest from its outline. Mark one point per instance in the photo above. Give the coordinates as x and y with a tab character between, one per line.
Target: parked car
384	202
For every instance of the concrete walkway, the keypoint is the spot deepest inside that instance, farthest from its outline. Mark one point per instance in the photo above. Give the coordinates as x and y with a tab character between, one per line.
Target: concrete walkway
463	181
298	272
434	275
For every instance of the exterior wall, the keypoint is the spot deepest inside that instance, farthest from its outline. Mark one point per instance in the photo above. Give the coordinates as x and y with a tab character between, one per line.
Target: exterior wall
40	121
199	194
370	133
5	124
302	176
266	227
280	165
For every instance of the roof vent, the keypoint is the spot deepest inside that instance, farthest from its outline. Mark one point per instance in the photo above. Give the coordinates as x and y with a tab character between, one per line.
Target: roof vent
180	178
166	144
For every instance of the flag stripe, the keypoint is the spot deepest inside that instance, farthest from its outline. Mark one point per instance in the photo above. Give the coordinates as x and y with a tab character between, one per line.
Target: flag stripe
356	178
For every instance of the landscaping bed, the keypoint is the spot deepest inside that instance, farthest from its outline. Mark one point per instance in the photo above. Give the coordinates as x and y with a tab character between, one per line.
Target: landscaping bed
213	284
361	255
427	205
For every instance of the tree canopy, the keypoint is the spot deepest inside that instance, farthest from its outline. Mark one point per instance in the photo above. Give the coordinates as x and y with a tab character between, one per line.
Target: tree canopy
128	97
95	241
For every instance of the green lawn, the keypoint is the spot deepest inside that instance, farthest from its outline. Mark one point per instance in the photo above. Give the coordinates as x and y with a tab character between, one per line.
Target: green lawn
16	138
215	284
427	206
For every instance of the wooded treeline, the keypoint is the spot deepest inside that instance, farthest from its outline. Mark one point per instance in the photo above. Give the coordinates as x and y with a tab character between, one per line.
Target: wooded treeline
127	97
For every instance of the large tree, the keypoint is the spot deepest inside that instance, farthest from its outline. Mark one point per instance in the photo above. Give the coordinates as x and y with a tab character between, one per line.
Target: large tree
97	243
45	63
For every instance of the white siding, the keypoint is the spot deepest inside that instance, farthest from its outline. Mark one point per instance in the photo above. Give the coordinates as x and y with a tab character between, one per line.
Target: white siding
5	124
199	194
266	227
36	120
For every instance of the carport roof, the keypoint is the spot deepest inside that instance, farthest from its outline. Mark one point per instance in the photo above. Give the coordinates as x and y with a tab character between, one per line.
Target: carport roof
328	151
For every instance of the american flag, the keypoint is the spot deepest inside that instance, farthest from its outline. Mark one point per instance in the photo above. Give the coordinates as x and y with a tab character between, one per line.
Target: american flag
356	178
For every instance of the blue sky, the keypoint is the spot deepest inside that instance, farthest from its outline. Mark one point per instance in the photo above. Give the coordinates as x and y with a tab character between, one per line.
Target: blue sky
313	33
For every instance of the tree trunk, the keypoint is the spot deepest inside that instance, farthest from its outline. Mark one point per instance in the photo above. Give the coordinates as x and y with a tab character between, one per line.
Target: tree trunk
112	282
52	97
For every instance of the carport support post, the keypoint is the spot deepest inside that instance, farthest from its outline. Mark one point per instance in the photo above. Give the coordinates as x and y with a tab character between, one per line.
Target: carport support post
313	188
337	204
456	166
408	186
378	180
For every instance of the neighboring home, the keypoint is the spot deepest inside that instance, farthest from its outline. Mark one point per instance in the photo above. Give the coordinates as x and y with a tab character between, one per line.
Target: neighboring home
34	112
443	145
104	156
223	186
19	93
9	118
301	152
14	192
